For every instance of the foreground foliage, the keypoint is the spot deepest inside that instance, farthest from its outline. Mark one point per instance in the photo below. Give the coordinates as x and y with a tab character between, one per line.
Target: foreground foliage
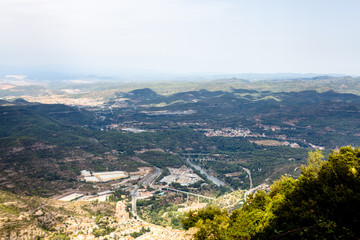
324	203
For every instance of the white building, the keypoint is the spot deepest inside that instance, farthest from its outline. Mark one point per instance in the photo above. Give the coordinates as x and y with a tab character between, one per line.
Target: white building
85	173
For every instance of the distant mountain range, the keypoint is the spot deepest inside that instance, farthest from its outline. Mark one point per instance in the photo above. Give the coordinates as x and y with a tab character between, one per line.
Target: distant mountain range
64	72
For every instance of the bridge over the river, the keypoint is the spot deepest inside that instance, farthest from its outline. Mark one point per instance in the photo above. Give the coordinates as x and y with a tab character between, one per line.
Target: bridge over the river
188	193
197	156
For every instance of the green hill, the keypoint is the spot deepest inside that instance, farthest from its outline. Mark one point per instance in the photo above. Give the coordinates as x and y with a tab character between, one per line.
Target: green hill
322	204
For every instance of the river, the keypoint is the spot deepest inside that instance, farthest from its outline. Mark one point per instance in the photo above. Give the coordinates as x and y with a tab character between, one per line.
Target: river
215	180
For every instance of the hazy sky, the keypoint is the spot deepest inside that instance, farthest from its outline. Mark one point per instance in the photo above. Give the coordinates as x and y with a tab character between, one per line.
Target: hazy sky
183	36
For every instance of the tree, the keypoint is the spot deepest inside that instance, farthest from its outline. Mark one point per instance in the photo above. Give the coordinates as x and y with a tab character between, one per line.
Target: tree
190	218
325	202
315	161
212	229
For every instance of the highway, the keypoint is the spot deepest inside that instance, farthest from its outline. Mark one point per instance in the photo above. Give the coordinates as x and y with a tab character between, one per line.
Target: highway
133	198
150	178
147	180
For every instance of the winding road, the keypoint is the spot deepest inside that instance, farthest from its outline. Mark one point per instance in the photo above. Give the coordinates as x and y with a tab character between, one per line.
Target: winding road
251	183
249	173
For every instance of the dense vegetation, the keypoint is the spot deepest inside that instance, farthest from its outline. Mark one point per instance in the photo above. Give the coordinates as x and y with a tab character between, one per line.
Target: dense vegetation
42	152
264	163
161	210
323	203
326	119
48	145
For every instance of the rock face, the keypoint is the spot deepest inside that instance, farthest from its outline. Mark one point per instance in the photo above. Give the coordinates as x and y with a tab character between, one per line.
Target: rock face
39	213
161	233
23	218
121	214
24	234
32	217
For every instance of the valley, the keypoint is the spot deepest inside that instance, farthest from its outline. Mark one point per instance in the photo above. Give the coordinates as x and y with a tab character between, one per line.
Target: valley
158	156
161	120
268	133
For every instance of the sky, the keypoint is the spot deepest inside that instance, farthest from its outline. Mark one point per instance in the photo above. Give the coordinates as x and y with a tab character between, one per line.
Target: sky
182	36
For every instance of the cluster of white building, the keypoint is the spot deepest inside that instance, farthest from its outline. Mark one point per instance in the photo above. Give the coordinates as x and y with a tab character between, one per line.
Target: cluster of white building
133	130
185	176
75	196
227	132
317	147
293	145
103	176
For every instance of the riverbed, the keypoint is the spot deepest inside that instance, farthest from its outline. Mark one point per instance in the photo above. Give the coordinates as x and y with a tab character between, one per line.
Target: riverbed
215	180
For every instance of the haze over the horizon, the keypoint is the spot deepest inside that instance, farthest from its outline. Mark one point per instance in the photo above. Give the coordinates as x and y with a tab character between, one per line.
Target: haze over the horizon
182	36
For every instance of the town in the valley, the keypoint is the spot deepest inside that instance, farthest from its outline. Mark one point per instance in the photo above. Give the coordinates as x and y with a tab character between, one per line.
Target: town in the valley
139	185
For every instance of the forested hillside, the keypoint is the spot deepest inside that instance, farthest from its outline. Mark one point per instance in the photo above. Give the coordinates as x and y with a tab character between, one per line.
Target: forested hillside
323	203
51	143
